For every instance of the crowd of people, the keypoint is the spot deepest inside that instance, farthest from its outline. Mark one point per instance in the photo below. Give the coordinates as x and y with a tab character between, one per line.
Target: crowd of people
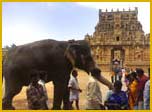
137	85
135	97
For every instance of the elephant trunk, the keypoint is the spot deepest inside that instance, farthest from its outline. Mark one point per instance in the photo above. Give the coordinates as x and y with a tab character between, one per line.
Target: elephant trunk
105	82
95	72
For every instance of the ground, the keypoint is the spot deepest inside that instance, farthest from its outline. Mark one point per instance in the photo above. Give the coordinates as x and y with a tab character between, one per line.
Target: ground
20	101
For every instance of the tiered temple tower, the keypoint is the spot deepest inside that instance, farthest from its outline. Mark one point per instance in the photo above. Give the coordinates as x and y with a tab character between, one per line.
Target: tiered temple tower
119	36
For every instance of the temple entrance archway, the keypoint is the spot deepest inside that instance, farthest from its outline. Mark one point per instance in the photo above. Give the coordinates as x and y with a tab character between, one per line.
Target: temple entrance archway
118	54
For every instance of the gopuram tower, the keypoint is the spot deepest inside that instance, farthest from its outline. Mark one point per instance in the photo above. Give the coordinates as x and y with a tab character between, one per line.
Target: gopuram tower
119	36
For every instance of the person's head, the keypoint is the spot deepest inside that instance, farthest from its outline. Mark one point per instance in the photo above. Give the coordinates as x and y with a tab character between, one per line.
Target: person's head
133	76
140	72
128	76
117	86
43	75
95	73
116	64
74	73
34	77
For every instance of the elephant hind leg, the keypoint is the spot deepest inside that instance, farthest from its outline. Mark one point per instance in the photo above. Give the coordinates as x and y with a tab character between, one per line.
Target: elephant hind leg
7	102
10	90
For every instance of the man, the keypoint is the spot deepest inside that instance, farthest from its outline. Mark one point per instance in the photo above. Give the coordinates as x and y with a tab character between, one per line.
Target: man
142	78
117	71
43	78
94	97
147	93
74	89
117	99
35	95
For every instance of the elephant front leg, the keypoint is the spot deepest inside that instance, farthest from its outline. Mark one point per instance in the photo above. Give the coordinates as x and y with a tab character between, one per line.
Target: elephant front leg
66	103
59	89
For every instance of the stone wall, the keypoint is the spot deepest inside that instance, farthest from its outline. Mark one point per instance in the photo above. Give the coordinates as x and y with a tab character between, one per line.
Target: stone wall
119	35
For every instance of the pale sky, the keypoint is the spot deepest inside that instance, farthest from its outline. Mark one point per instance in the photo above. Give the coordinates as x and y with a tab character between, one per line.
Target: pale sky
27	22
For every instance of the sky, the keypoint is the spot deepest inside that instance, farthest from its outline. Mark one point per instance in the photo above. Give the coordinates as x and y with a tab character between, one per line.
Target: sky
31	21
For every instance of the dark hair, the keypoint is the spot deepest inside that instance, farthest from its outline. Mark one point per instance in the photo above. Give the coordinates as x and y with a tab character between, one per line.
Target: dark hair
139	71
134	74
118	84
42	74
74	71
128	77
95	72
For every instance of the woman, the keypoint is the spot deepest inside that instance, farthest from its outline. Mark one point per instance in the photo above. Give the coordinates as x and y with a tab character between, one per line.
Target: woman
132	90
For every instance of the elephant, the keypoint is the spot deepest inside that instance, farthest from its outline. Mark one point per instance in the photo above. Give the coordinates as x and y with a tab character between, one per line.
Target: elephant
57	58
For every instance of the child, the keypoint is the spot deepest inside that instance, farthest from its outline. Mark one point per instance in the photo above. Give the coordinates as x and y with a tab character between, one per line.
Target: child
35	94
74	89
117	99
42	80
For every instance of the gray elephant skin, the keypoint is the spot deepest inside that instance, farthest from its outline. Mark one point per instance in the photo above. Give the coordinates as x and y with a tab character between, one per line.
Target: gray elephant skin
57	58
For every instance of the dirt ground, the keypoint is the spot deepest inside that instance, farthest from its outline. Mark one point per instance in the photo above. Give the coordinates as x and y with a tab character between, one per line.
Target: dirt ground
20	101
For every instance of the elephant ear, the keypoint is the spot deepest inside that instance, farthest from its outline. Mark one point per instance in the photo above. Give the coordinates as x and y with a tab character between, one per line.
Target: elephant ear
70	53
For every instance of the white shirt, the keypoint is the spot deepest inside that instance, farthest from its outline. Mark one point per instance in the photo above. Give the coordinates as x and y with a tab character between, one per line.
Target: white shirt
94	96
73	83
146	95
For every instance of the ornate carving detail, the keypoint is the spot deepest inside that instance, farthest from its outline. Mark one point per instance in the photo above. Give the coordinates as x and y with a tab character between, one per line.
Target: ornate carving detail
120	29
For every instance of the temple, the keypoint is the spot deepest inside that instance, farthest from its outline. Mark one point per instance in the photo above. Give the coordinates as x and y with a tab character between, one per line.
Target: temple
119	36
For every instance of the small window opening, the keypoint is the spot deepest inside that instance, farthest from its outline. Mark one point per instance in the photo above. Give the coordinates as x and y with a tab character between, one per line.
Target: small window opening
117	38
